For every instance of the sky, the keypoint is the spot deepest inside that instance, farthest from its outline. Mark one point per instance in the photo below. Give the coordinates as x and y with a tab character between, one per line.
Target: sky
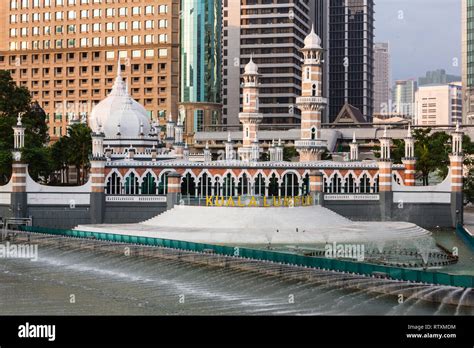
423	35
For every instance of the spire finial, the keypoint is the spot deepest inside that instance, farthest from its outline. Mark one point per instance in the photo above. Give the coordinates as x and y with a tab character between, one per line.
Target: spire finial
312	28
119	68
19	124
228	137
457	126
385	132
354	138
207	145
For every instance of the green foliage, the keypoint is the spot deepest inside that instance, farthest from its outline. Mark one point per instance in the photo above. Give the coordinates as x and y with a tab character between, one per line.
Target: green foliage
289	153
432	153
79	146
469	187
15	100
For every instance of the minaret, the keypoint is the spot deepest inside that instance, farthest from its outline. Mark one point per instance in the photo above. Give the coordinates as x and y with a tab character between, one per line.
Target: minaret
178	141
207	153
354	148
409	160
186	152
385	177
170	124
19	172
229	149
250	117
97	177
255	150
456	159
272	151
279	151
311	102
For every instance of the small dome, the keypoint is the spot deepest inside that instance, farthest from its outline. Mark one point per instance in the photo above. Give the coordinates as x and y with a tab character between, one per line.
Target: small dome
120	109
312	41
251	68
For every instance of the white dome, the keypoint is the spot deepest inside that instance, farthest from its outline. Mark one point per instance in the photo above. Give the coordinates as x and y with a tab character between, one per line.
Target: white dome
119	108
312	41
251	68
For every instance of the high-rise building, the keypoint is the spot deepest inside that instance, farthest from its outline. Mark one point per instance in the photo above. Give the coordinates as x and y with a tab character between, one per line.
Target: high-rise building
382	77
66	51
351	56
403	98
468	60
272	32
201	65
320	10
438	77
439	104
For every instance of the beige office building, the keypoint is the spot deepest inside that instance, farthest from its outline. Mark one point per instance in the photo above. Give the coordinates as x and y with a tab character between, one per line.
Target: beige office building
439	105
66	52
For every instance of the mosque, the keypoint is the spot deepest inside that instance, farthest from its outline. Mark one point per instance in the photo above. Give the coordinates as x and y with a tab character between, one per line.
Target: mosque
136	175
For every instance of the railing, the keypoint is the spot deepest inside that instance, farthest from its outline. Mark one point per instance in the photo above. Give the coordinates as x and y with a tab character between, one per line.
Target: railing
143	198
311	143
311	100
464	281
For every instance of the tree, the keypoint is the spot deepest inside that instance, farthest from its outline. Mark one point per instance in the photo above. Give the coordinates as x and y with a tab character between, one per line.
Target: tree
289	153
432	152
469	187
79	146
15	100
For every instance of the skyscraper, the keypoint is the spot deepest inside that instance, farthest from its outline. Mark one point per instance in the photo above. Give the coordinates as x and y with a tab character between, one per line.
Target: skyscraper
468	60
437	77
439	104
272	32
66	51
201	57
351	56
403	98
382	76
321	26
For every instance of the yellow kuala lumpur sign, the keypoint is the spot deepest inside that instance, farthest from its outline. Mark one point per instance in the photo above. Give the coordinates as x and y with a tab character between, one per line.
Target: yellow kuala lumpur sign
264	202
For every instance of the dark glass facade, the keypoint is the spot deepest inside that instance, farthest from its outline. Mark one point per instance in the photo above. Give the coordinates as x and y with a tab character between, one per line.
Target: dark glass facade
351	57
201	62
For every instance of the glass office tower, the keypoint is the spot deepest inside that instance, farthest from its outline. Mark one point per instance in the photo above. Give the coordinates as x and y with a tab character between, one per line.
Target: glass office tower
351	56
201	66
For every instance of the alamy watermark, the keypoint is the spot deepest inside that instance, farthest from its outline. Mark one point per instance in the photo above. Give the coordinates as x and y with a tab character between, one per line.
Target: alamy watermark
345	251
19	251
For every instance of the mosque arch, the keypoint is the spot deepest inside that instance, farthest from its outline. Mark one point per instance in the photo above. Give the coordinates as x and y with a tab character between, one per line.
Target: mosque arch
204	184
131	183
365	183
290	185
228	185
273	186
244	185
259	186
149	184
113	183
188	185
